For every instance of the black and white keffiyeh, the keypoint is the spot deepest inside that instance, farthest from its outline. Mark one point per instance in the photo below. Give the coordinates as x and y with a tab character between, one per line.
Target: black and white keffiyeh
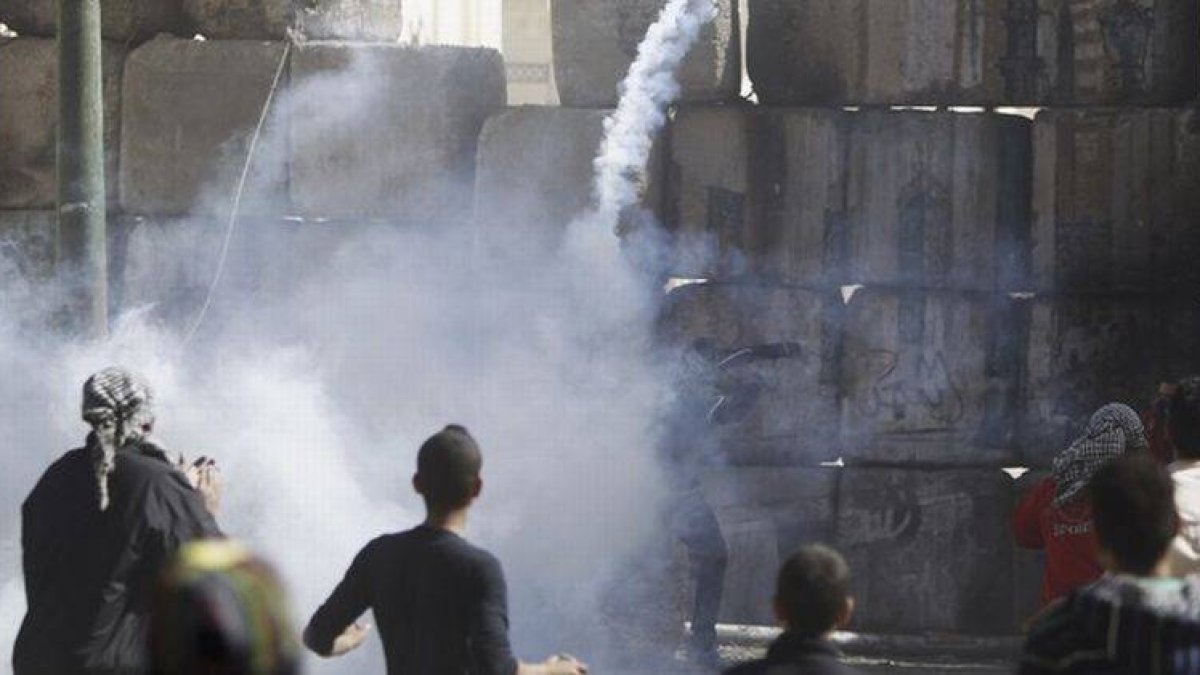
1112	431
119	406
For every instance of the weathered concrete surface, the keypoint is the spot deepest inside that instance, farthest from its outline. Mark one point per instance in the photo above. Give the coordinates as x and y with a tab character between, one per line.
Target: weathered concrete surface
973	52
29	119
871	51
595	43
122	21
1084	352
1116	200
406	147
190	110
168	264
938	199
765	513
929	551
830	197
536	173
315	19
776	408
929	378
27	244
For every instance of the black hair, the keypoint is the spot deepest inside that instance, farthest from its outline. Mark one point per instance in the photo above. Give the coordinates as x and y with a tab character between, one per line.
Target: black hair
1133	507
812	590
448	466
1183	418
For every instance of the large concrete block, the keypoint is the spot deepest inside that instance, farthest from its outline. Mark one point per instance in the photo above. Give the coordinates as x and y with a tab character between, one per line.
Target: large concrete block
191	108
832	197
596	42
27	246
765	513
765	360
1116	200
929	378
169	264
1086	351
29	120
536	174
973	52
389	131
930	552
124	21
315	19
873	51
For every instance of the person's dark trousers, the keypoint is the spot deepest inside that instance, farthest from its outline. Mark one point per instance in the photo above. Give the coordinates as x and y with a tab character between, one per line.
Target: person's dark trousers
693	521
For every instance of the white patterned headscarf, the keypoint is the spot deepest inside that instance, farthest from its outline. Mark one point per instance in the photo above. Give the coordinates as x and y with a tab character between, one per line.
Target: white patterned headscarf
119	406
1113	430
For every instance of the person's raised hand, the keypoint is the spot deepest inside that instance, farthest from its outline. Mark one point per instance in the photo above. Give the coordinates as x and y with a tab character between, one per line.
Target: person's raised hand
565	664
350	639
204	475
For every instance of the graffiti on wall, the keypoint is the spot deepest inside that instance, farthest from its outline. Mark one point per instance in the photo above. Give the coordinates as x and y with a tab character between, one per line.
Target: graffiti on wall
901	388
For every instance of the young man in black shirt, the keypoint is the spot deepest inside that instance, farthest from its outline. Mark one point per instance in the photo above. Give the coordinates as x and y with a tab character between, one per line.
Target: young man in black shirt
440	602
812	599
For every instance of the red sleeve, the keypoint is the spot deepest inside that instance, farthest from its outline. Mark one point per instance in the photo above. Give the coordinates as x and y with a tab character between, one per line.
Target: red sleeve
1027	521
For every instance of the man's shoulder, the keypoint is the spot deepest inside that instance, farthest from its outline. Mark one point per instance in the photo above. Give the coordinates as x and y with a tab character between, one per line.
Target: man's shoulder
1068	638
65	468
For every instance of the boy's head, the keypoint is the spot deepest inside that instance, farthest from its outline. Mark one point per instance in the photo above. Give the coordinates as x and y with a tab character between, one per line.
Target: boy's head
1133	506
448	469
1183	418
812	596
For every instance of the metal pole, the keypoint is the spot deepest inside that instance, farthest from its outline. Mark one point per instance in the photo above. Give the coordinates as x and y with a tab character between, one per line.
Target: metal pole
82	253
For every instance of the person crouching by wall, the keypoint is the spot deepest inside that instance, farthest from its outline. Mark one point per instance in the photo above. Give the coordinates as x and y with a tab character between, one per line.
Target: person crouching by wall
1136	620
812	600
219	610
1056	515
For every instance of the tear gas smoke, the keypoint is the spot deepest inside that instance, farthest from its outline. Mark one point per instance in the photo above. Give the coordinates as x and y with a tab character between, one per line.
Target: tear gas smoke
330	356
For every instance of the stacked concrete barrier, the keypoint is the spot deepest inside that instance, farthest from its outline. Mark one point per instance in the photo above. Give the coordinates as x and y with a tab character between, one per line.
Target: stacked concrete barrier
536	173
407	150
1000	278
967	52
375	20
595	43
123	21
829	197
191	109
29	114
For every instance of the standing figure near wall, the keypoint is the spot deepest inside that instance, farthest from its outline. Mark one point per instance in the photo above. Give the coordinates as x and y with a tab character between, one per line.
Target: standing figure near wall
712	392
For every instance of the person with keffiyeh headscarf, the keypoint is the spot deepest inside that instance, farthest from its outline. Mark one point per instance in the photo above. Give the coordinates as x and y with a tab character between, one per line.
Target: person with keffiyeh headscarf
97	529
1056	514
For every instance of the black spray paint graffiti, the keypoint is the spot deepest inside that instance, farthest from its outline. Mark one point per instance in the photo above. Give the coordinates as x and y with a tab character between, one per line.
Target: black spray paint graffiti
896	518
926	392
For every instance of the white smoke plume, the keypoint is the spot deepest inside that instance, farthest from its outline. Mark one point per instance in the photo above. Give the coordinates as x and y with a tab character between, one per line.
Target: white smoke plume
647	92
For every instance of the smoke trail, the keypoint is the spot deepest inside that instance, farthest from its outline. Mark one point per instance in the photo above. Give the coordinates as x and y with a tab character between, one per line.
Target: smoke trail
649	88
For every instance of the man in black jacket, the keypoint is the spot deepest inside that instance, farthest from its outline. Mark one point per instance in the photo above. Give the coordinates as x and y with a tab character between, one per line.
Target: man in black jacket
97	529
441	602
812	599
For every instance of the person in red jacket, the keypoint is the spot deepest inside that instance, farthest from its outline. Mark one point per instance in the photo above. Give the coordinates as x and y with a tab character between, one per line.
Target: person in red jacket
1056	514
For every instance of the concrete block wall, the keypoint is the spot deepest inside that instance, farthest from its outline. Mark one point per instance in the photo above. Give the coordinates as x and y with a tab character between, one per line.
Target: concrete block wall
358	130
1011	275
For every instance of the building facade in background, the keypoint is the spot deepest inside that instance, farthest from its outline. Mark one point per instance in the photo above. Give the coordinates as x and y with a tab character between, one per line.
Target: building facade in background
520	29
